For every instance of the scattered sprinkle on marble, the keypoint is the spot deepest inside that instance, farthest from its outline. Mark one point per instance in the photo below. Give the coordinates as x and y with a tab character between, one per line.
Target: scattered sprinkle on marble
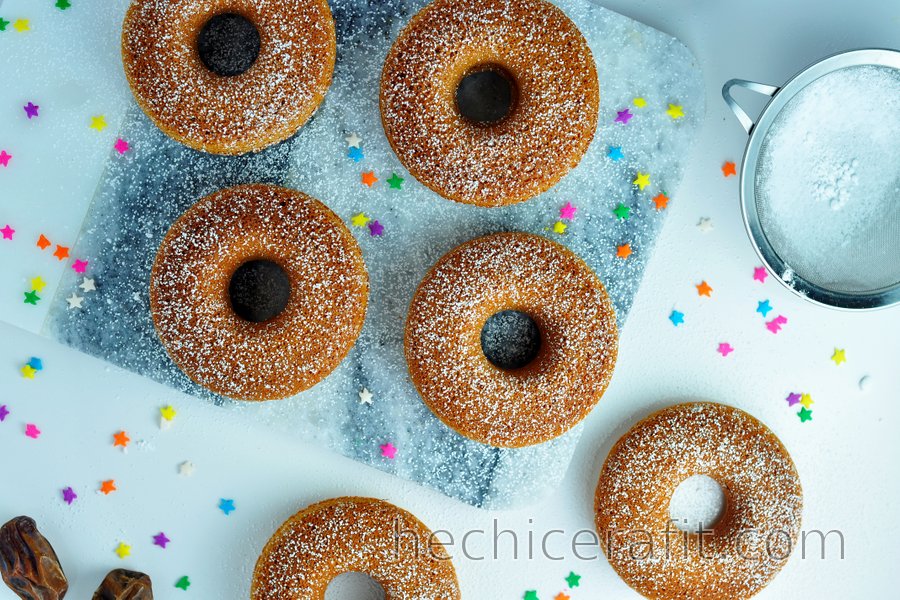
42	242
793	398
623	251
676	111
226	505
641	180
28	372
725	349
61	252
121	146
87	285
36	363
395	182
728	169
704	289
63	4
355	153
805	415
31	110
677	318
763	307
184	583
38	284
98	122
623	116
660	201
615	153
573	580
353	140
839	356
639	102
705	224
359	220
365	396
776	324
388	450
186	468
621	211
161	540
108	487
376	229
368	178
806	400
5	157
69	496
760	274
120	440
32	298
79	266
567	212
32	431
123	550
22	25
75	301
4	412
8	232
560	227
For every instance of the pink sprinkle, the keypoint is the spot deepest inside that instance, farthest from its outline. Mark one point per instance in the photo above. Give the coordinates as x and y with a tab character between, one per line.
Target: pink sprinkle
7	232
32	431
80	265
388	450
121	146
725	349
760	274
775	324
567	212
4	158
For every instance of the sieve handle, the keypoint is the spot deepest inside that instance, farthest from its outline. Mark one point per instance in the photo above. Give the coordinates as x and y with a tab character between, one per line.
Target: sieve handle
740	113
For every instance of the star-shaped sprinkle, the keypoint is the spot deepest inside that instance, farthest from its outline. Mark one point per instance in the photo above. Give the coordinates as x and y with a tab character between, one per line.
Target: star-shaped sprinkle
725	349
567	212
61	252
353	140
7	232
562	596
775	324
36	363
530	595
38	284
184	583
639	102
573	580
560	227
793	398
705	224
676	111
98	122
3	24
69	495
87	285
43	243
75	301
806	400
359	220
661	201
703	289
615	153
186	468
368	178
123	550
623	116
120	440
395	182
28	371
677	318
22	25
79	266
31	110
839	356
763	307
641	180
365	396
623	251
167	413
376	229
32	431
32	297
621	211
5	157
63	4
388	450
160	539
760	274
121	146
728	169
356	153
226	505
108	487
805	415
4	412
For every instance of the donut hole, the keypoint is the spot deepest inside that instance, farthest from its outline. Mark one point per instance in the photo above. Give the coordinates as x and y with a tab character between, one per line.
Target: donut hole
354	586
697	504
259	290
486	95
510	339
229	44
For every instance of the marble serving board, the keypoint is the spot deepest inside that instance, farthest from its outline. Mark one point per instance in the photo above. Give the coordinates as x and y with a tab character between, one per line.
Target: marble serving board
139	194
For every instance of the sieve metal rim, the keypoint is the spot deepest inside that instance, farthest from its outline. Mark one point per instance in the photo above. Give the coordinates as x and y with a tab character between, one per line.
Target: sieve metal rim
757	132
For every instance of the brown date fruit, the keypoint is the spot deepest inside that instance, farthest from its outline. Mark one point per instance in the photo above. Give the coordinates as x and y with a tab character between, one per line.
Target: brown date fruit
122	584
28	564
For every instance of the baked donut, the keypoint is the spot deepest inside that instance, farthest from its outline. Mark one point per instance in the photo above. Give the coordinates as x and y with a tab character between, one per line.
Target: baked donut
529	401
361	535
228	76
749	543
258	292
490	102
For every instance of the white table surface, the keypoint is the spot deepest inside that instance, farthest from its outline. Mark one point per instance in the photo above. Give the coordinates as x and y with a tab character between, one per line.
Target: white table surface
846	456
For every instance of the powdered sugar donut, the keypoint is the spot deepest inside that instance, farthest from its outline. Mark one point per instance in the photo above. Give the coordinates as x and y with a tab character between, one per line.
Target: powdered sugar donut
552	92
749	543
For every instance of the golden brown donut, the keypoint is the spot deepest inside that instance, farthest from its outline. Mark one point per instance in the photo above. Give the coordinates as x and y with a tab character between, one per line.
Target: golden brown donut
569	305
546	132
229	114
354	534
762	493
193	310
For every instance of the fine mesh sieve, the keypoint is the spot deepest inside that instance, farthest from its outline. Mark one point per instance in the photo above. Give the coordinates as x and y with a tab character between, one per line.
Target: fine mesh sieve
820	181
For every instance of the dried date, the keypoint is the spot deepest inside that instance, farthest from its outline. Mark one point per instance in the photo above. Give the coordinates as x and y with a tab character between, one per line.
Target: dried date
28	564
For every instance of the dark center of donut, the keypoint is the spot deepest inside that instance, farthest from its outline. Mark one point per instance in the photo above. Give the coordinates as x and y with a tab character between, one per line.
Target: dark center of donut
259	291
354	586
486	95
228	44
510	339
697	504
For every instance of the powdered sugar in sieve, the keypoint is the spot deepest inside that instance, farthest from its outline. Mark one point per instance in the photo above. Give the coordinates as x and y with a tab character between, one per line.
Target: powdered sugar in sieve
827	182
